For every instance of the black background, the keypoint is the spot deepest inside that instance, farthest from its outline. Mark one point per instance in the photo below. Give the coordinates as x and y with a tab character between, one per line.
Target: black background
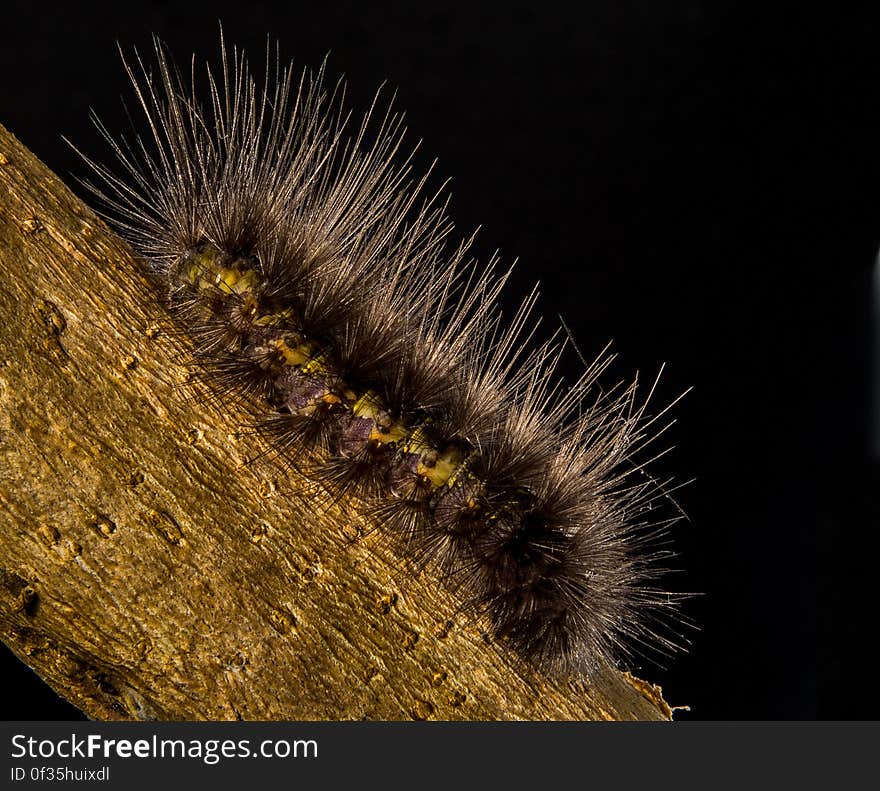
696	181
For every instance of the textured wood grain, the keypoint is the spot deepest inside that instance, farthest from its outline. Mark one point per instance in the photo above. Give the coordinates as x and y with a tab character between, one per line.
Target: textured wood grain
156	563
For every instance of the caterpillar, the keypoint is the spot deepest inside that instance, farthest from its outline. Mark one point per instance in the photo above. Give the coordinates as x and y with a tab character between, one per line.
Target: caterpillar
319	280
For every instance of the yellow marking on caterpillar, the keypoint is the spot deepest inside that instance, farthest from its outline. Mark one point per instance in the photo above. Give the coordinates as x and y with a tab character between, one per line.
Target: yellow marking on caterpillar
193	273
369	406
446	469
298	356
232	281
316	365
204	272
436	468
269	319
418	443
246	281
226	280
200	266
366	406
396	433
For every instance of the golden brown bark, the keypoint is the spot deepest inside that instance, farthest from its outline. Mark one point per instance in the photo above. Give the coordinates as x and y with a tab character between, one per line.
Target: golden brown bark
155	563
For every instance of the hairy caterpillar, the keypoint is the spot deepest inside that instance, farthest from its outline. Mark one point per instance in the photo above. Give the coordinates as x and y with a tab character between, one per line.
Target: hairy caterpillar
315	277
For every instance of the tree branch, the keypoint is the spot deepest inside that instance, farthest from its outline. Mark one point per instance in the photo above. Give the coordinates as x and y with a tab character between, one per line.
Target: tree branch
154	563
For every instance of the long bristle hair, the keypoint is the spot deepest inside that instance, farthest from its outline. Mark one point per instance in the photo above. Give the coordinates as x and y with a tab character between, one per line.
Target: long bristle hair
317	277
